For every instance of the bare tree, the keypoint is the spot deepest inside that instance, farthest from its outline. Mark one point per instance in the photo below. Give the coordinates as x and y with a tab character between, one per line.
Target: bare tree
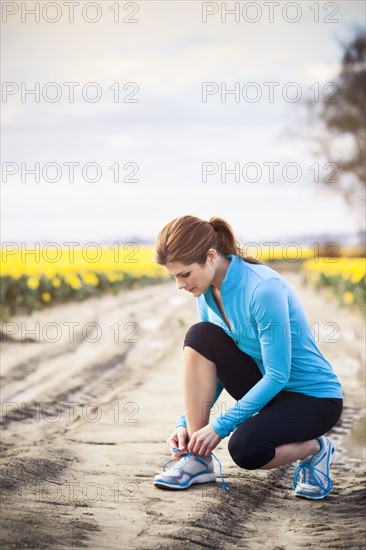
342	114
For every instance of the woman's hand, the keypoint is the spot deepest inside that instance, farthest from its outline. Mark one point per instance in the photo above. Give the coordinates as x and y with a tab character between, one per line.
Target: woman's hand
179	440
204	441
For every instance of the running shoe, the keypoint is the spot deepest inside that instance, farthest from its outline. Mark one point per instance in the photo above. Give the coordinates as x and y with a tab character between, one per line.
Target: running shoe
188	470
312	475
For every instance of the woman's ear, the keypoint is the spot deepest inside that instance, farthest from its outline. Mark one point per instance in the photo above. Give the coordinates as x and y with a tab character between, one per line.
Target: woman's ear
211	255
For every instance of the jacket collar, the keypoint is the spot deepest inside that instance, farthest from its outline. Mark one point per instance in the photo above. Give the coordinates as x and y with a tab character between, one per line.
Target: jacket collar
233	274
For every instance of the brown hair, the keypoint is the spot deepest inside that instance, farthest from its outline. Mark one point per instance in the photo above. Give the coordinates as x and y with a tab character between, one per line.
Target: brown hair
188	239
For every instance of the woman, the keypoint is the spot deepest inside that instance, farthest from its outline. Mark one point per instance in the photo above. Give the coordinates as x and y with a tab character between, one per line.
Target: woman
254	340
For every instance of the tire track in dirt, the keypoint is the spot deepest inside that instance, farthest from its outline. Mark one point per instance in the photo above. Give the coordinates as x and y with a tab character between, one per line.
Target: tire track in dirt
32	387
38	454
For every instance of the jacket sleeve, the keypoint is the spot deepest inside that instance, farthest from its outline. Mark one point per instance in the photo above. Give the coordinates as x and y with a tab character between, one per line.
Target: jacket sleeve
270	314
202	309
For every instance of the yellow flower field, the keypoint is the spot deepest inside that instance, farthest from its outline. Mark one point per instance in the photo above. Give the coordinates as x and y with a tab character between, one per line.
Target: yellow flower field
33	277
346	277
52	261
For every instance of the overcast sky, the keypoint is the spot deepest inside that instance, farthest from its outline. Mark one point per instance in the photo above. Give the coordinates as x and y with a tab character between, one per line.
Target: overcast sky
170	141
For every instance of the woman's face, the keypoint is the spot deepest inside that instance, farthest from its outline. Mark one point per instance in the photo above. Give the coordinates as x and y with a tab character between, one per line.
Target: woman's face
193	278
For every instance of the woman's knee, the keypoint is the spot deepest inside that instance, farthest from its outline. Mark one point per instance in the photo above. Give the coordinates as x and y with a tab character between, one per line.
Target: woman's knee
202	334
248	452
203	329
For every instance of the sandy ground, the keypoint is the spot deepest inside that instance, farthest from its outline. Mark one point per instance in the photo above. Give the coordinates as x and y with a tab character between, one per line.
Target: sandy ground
86	410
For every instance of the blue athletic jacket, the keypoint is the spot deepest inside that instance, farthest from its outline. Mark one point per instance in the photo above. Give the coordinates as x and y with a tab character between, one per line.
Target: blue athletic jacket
269	324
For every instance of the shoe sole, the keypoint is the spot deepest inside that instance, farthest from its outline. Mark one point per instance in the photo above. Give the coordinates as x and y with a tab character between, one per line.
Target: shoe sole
323	495
317	497
204	478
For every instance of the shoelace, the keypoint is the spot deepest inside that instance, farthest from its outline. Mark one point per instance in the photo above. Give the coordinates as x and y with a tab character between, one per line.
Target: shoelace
183	459
178	465
309	474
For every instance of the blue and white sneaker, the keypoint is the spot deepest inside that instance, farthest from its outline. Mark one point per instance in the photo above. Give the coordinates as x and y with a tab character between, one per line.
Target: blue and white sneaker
188	470
312	475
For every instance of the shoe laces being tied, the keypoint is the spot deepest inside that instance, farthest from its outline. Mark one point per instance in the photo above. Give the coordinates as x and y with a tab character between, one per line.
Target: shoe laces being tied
180	465
311	475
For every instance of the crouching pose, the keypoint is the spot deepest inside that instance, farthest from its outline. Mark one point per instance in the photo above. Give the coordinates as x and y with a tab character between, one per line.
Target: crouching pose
254	340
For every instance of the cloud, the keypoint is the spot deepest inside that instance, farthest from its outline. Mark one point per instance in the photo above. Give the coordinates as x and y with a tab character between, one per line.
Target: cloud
321	72
170	132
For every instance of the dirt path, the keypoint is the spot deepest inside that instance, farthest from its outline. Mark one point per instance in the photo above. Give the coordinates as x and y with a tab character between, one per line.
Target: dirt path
87	407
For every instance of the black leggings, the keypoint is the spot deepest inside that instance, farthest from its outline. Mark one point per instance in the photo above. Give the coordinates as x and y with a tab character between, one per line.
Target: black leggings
288	418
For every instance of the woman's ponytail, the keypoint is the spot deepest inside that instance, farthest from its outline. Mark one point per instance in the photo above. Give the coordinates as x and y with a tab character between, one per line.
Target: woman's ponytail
227	241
